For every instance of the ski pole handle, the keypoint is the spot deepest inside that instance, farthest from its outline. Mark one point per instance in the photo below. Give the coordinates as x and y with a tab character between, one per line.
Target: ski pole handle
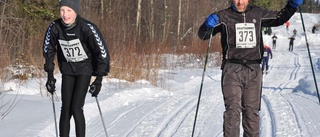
92	89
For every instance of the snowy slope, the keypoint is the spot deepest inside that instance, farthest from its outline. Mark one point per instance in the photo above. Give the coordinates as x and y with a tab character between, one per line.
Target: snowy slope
289	105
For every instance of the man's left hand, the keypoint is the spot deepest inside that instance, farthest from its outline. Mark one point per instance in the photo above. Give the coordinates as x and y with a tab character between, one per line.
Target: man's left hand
295	3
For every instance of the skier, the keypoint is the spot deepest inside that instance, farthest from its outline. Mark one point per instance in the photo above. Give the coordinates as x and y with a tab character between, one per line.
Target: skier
294	32
267	53
287	25
241	72
314	28
291	43
81	53
269	31
274	41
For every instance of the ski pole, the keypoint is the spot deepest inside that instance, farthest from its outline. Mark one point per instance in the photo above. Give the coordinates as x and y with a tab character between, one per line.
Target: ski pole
104	126
92	89
305	34
204	71
54	114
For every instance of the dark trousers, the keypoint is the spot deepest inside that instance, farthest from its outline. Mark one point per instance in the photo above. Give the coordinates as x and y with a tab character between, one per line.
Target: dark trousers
274	45
241	88
73	93
265	63
291	47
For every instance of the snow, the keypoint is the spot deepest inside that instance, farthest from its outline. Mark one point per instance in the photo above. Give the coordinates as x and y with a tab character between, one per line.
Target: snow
289	104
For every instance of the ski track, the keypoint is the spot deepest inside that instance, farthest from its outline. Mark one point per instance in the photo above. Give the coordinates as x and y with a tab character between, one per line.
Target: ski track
293	75
267	118
139	114
173	121
210	113
268	112
280	119
305	121
111	124
157	115
167	118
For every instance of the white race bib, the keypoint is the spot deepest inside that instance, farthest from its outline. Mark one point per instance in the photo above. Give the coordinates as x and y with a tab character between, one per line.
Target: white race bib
265	54
245	35
73	50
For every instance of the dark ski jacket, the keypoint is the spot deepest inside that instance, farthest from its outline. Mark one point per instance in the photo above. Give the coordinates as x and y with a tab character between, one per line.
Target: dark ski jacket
291	40
274	39
80	48
228	18
267	52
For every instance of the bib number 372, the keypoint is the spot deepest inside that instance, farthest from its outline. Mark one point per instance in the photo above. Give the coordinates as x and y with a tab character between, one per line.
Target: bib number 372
245	35
73	50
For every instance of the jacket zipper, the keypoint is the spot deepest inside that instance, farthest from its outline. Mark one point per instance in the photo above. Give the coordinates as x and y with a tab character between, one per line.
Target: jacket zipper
244	17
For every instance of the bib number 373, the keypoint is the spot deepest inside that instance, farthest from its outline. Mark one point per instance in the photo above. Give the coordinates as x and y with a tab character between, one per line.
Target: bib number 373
245	35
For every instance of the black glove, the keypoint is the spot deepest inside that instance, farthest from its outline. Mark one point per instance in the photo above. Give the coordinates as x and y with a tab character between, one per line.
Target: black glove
51	83
95	87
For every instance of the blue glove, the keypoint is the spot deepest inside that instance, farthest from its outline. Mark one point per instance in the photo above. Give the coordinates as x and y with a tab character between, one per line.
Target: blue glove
211	21
295	3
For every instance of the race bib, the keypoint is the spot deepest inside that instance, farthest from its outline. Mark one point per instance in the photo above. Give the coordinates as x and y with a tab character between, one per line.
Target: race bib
73	50
245	35
265	54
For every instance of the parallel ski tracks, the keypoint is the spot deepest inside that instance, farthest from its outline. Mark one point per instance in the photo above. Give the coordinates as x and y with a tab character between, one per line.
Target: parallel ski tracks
307	122
180	116
267	118
297	65
280	120
153	122
171	116
274	113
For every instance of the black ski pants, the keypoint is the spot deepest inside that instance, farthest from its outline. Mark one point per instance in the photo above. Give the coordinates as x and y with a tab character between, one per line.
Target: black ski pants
290	47
274	45
241	89
73	93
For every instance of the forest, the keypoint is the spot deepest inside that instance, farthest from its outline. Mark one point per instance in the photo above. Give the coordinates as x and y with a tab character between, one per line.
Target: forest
137	32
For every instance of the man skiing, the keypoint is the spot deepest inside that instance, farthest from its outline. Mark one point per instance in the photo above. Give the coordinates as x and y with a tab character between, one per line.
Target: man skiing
241	79
291	43
294	32
314	28
274	41
265	60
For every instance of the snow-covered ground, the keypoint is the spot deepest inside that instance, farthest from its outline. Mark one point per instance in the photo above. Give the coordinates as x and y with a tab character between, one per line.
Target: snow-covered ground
289	108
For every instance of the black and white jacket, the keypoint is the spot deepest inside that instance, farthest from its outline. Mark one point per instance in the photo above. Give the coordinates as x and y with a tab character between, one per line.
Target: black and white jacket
80	48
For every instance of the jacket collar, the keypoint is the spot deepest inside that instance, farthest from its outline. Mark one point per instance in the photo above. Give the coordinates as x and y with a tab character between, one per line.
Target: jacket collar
70	26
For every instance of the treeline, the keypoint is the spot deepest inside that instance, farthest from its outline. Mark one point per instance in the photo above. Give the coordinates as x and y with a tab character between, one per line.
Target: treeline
134	30
309	6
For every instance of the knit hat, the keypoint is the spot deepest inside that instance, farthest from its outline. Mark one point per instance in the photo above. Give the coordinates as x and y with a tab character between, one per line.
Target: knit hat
73	4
